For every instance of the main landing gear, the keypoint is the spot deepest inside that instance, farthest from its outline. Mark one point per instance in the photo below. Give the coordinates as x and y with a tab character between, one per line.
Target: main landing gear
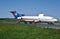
51	23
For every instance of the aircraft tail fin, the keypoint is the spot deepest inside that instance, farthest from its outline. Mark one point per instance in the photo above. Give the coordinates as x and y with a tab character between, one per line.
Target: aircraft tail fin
16	14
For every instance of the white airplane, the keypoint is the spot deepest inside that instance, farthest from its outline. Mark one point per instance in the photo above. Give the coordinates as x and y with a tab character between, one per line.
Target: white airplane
33	19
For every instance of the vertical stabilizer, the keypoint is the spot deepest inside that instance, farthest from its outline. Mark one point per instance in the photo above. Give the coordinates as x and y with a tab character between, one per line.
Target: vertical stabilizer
16	14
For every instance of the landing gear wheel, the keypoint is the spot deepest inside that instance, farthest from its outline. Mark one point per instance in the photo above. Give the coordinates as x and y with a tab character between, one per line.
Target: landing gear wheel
51	23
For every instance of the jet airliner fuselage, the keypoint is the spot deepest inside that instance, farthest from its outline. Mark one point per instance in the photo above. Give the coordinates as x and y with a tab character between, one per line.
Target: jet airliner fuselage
31	19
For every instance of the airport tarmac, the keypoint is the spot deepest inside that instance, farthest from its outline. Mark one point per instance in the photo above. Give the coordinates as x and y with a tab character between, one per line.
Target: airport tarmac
43	25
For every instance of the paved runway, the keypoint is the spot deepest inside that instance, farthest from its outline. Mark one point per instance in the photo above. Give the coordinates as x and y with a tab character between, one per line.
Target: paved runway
43	25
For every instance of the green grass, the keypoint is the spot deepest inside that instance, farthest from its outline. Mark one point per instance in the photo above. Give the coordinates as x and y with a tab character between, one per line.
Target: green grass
24	31
7	20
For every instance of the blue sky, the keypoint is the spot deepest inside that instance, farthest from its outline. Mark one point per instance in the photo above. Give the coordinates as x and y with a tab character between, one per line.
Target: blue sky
30	7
